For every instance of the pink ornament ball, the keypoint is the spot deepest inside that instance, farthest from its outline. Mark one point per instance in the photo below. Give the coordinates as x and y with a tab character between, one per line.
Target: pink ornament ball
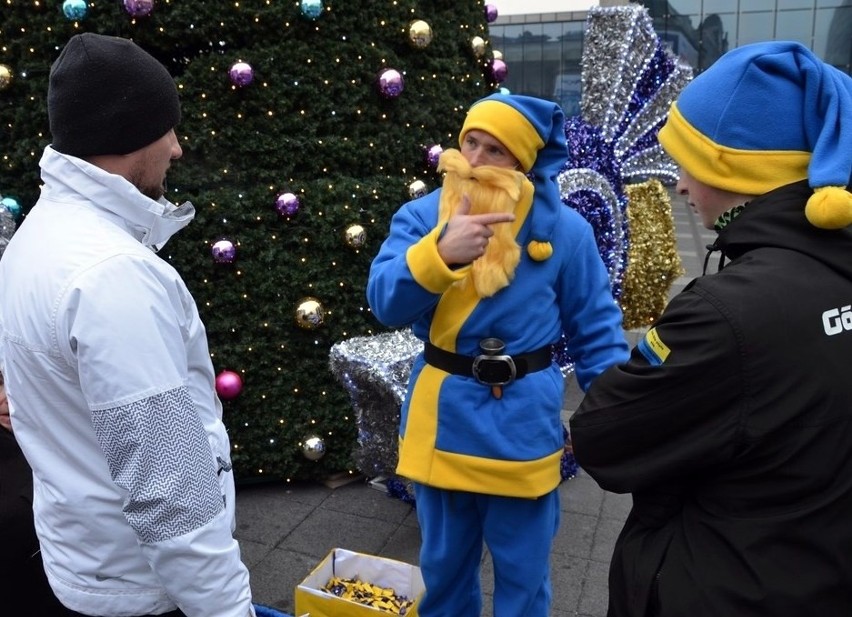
228	385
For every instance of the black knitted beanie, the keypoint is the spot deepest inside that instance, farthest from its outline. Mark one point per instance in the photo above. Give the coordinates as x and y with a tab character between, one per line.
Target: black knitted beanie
108	96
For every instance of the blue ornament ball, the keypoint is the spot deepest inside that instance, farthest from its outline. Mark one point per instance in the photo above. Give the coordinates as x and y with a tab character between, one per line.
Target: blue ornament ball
11	204
311	9
75	9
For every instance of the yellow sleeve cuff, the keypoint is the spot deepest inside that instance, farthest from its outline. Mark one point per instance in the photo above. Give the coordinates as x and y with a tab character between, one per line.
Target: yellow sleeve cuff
427	267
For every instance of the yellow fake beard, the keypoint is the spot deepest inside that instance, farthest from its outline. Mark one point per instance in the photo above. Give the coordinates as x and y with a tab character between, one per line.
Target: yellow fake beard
489	189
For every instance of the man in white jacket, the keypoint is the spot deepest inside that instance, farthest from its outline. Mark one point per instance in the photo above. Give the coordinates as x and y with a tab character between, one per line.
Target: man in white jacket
108	374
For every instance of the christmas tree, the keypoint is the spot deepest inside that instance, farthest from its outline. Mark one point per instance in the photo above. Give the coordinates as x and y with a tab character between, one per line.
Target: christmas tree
305	125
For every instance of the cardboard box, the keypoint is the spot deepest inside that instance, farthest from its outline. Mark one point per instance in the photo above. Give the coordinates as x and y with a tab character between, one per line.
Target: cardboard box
405	579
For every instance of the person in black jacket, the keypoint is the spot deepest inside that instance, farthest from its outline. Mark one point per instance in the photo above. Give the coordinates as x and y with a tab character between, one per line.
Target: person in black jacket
731	424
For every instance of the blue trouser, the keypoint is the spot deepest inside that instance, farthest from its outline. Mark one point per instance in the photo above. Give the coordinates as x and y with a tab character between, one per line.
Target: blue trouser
518	532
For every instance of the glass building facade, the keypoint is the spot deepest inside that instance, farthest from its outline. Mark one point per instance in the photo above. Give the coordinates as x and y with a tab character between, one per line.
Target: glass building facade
543	52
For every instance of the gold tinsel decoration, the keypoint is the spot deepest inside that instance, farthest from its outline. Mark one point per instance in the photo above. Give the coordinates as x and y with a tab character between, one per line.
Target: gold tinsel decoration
653	262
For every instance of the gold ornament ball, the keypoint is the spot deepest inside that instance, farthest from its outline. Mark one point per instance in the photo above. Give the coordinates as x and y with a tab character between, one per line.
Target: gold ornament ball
356	236
477	44
310	314
313	448
498	55
417	189
5	76
419	33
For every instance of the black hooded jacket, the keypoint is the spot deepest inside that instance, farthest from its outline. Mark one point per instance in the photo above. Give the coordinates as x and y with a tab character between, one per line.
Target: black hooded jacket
731	424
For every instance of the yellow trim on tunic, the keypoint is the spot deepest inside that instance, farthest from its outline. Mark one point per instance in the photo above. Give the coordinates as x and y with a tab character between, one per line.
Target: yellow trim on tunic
417	450
528	479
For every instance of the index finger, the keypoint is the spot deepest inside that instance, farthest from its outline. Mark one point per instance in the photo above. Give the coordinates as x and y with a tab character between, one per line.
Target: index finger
490	218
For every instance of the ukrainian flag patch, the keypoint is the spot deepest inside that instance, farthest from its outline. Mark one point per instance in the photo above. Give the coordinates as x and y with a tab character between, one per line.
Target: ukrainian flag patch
653	348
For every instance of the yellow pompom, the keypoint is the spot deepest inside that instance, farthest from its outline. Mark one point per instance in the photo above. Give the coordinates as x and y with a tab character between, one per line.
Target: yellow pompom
539	250
830	207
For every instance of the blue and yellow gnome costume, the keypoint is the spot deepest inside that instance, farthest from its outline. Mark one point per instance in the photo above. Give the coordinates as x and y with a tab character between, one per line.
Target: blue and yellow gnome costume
482	462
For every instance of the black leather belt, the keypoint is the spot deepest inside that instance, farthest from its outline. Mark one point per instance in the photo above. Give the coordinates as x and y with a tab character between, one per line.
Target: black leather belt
491	370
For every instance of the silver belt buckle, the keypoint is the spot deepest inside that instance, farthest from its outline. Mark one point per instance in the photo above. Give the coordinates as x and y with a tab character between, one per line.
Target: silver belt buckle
478	368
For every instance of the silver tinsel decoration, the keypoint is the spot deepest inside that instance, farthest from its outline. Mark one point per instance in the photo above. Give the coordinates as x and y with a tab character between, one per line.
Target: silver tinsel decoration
629	82
375	371
7	228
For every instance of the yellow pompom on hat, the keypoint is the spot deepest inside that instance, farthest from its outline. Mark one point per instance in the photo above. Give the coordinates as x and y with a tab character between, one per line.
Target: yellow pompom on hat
765	115
533	130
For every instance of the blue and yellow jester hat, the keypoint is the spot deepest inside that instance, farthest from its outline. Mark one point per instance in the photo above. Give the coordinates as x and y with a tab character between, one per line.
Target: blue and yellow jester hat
534	132
765	115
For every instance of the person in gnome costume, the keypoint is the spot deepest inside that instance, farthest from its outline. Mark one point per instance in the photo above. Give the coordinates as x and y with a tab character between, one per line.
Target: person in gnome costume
108	374
489	271
731	424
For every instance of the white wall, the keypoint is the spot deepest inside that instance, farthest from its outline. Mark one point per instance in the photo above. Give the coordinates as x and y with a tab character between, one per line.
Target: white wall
522	7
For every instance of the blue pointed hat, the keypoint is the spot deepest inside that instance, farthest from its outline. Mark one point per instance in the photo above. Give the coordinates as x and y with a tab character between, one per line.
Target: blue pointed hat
765	115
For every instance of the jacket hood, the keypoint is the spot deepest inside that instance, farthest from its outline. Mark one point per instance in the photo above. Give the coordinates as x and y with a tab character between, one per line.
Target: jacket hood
151	222
777	219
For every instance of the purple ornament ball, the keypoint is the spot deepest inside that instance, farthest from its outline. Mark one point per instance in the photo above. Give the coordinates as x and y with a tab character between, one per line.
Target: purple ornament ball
287	204
228	385
433	154
490	13
241	74
139	8
390	83
499	70
224	252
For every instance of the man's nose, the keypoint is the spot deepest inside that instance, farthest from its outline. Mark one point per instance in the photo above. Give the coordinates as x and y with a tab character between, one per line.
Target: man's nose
475	157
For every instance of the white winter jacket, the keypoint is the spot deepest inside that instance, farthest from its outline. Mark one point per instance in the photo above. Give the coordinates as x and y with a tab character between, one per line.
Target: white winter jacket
112	396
